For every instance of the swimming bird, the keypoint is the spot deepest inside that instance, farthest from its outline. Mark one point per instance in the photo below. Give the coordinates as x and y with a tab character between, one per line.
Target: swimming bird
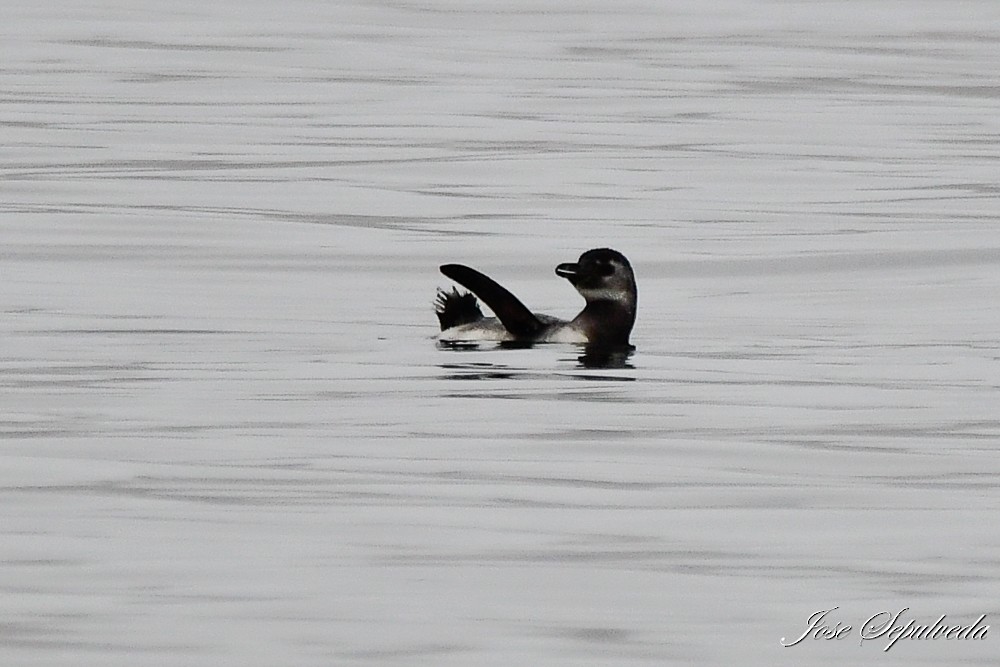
603	277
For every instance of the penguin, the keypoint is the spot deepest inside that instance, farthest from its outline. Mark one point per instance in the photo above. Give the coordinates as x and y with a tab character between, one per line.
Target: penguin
603	277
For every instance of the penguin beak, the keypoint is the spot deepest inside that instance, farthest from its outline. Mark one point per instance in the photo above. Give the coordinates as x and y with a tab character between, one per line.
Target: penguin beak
569	271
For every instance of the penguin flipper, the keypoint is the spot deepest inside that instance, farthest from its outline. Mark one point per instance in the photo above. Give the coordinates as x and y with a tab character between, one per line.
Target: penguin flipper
514	315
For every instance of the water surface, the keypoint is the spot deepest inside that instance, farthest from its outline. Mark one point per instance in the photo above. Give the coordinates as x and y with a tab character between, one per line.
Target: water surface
228	437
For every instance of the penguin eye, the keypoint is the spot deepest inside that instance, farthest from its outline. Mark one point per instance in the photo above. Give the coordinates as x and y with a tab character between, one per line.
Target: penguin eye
605	268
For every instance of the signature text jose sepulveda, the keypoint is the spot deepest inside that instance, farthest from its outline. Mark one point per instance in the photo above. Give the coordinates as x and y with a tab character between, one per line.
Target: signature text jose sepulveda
888	627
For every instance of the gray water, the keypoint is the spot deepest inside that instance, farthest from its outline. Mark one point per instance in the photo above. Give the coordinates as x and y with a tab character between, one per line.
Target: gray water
229	438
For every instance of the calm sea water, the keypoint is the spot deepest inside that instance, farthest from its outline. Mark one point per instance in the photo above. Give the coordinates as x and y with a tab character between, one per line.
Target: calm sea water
227	436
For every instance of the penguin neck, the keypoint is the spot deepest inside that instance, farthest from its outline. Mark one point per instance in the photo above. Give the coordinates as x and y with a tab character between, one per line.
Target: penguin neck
607	322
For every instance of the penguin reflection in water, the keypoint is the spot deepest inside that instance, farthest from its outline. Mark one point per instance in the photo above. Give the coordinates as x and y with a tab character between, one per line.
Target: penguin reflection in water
603	277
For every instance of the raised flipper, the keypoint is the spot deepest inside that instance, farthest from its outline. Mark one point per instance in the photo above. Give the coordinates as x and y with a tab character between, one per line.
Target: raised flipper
514	315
